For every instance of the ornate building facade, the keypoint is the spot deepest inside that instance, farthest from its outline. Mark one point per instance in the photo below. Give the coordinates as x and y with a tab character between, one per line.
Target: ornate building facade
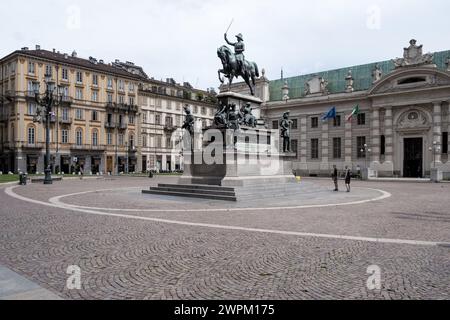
401	129
162	116
96	129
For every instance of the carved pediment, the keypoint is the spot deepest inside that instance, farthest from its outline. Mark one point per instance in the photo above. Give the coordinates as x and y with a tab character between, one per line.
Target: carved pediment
413	119
411	79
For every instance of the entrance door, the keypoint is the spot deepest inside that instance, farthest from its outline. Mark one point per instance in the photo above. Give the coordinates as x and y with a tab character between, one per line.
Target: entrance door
413	158
109	164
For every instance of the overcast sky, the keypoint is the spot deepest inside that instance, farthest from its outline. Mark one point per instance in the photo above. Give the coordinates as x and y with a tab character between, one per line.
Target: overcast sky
179	38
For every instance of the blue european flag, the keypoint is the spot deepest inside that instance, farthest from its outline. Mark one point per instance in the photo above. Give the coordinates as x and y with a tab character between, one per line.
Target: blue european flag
330	114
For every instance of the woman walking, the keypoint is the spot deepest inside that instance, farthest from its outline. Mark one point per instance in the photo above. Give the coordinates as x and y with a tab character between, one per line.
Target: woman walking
348	178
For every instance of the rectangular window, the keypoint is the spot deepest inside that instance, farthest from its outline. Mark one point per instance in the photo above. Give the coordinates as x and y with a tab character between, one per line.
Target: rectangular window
121	99
158	119
131	87
121	139
65	114
337	121
110	98
64	136
31	135
49	70
79	114
144	140
314	122
109	138
95	80
95	138
168	143
361	147
275	124
31	68
110	118
79	137
79	77
361	118
79	94
444	142
94	115
169	121
383	145
110	83
65	74
131	100
31	109
314	148
144	117
95	96
121	85
294	147
337	150
158	142
294	124
131	119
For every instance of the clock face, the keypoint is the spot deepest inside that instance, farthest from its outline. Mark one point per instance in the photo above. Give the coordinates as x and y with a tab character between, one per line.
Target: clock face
413	116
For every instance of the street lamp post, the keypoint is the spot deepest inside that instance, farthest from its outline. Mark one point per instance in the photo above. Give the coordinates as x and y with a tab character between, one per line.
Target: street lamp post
434	149
47	101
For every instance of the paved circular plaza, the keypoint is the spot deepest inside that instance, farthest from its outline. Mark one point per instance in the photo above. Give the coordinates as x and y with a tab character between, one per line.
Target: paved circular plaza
314	245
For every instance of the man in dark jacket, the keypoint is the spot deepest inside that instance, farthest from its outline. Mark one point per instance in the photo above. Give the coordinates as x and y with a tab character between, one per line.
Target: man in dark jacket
348	178
334	176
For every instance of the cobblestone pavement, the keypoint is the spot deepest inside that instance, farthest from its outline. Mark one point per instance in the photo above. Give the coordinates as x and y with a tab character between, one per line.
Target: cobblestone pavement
130	258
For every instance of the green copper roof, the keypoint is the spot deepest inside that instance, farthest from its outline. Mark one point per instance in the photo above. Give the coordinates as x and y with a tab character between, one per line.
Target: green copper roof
336	78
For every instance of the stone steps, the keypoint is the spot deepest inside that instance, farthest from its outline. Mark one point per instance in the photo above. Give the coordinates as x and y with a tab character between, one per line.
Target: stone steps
194	191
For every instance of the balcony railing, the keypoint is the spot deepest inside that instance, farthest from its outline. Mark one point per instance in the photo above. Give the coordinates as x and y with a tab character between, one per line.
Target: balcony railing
170	127
110	125
37	145
117	107
66	100
122	126
87	147
65	120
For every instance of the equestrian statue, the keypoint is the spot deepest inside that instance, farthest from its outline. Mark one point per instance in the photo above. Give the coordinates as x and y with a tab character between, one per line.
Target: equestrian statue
235	65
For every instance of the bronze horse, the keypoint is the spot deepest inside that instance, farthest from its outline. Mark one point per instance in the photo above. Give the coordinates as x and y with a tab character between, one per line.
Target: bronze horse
231	69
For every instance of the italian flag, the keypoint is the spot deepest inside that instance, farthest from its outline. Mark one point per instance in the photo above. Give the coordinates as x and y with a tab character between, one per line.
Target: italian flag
354	113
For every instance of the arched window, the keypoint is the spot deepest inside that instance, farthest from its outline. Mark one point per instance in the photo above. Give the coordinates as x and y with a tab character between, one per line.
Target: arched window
31	135
95	137
79	136
131	141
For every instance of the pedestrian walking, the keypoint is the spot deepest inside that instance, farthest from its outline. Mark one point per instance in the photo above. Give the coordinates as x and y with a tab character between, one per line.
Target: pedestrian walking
334	176
348	178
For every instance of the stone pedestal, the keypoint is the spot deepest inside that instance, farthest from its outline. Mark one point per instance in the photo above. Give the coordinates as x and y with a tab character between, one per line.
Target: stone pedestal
242	158
436	175
233	164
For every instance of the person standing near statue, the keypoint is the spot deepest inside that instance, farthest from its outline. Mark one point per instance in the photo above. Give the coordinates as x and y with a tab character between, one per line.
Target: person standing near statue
348	178
239	48
334	176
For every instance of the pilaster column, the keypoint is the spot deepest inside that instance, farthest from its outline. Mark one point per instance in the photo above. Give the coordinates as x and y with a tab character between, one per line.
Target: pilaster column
448	121
303	142
324	166
375	135
437	131
389	135
348	143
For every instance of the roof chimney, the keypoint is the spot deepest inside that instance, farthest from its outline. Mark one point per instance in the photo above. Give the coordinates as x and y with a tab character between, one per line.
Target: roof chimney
24	48
101	61
38	47
66	56
74	54
117	61
54	50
